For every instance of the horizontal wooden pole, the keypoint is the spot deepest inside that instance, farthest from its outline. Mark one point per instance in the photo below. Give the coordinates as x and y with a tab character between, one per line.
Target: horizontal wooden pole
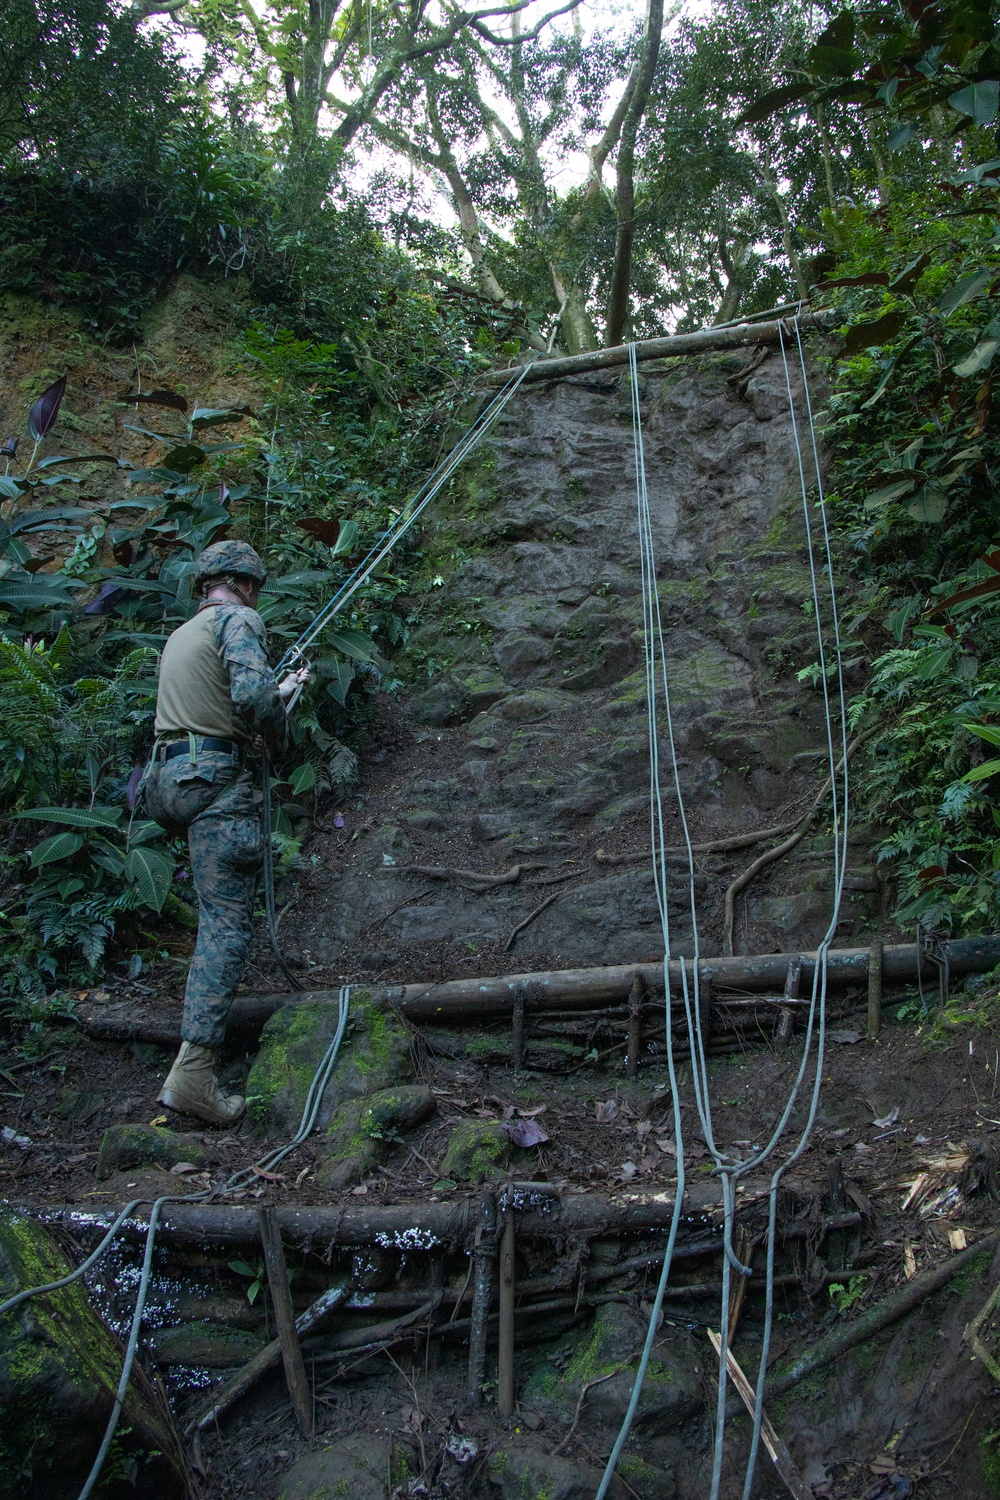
403	1227
705	341
589	989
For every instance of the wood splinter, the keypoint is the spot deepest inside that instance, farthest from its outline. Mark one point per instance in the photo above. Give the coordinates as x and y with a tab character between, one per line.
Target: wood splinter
775	1445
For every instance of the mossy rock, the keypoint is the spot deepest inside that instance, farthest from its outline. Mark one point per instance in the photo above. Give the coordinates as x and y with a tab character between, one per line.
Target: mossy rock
671	1391
523	1470
374	1054
361	1131
352	1468
476	1150
126	1146
205	1346
59	1366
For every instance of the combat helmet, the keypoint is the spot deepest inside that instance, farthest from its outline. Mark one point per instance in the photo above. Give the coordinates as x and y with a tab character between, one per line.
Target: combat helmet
236	559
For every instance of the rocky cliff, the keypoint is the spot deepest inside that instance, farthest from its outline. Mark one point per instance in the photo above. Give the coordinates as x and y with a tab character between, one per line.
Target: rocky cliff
529	746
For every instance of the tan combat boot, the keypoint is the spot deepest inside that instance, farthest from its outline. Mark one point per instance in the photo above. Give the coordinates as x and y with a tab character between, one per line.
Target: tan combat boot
192	1088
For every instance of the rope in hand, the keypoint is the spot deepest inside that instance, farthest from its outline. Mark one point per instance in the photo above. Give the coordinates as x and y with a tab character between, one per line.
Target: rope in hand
655	650
266	1163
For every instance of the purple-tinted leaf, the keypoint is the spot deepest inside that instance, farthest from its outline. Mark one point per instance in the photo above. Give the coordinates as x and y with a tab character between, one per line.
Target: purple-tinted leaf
132	789
338	821
42	416
107	601
9	448
525	1132
157	398
223	493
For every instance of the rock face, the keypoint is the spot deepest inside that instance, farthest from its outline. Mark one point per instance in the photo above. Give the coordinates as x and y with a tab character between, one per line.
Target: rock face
58	1368
531	744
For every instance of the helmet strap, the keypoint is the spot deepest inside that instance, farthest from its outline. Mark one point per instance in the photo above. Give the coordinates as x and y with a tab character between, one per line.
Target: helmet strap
235	587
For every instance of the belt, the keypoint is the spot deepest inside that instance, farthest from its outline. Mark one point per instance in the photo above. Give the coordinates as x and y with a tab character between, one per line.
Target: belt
204	742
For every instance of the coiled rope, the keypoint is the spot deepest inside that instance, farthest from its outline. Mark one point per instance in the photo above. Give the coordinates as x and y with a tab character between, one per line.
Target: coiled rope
266	1163
654	653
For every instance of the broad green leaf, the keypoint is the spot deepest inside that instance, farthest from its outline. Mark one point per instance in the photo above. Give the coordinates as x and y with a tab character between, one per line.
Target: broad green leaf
59	846
964	291
833	62
928	504
9	489
983	772
51	519
151	873
864	335
774	100
354	644
34	595
108	861
934	664
303	779
988	732
215	416
976	591
901	136
889	493
980	359
75	817
79	458
346	539
980	100
341	678
185	458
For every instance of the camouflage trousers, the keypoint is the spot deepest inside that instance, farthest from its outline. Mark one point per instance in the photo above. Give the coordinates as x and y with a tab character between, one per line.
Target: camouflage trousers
212	801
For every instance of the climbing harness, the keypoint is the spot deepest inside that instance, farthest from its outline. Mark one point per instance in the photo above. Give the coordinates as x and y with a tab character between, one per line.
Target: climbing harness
266	1163
729	1173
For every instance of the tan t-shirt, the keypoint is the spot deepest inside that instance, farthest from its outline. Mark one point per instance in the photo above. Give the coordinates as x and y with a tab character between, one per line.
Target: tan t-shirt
194	695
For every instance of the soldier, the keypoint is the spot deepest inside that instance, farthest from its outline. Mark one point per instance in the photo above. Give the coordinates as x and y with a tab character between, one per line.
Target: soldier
216	693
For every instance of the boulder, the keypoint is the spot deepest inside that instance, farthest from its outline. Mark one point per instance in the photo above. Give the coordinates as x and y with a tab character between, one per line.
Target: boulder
375	1053
476	1150
671	1391
59	1366
361	1130
352	1468
525	1471
127	1146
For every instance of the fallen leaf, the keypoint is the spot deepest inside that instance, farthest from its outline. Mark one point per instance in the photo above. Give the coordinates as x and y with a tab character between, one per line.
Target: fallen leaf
628	1170
887	1119
650	1161
667	1147
957	1240
608	1112
845	1038
921	1140
529	1114
643	1128
158	1120
525	1132
267	1176
359	1192
182	1168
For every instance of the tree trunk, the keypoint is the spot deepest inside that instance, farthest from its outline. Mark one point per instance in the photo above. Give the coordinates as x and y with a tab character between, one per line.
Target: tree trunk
621	276
579	333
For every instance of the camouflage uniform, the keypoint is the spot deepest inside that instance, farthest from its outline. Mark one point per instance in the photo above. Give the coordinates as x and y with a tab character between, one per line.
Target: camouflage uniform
212	798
